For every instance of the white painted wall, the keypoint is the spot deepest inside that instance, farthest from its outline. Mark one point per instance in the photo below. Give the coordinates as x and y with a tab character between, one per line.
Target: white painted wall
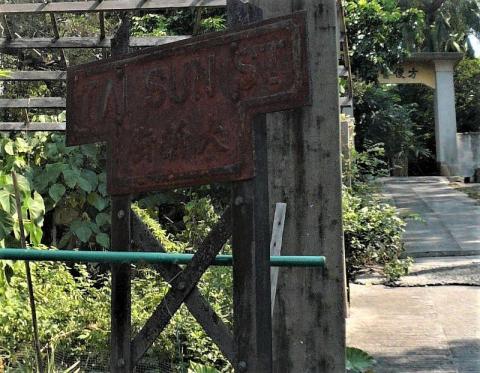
468	146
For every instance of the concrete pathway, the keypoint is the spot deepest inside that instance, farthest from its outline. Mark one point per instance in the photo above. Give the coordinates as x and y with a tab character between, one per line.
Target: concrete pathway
449	221
421	329
431	271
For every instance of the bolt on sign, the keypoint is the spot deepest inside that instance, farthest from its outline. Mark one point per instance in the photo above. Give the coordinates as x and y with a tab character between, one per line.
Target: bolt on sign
181	114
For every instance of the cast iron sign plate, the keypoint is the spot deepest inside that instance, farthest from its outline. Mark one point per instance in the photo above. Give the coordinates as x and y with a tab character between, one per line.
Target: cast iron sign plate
181	114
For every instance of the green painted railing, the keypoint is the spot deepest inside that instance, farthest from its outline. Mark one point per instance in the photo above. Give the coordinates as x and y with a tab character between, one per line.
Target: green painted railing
145	257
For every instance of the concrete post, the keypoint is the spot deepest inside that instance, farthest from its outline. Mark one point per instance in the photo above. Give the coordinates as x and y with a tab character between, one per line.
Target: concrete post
305	172
445	117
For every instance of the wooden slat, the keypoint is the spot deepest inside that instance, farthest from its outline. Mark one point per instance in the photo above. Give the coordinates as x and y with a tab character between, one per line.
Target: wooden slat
144	240
84	42
121	297
101	20
34	102
35	75
182	286
57	36
276	246
104	6
36	126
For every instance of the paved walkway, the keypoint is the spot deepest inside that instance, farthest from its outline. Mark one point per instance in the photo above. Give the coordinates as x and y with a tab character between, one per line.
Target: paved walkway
421	328
449	220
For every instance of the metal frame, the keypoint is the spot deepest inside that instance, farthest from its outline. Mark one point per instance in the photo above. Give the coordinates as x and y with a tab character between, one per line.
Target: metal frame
146	256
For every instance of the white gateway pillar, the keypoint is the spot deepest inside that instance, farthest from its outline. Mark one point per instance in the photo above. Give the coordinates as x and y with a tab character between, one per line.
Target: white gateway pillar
445	117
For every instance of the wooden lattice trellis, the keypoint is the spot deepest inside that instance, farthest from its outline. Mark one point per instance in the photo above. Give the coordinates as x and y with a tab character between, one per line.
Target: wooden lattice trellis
11	41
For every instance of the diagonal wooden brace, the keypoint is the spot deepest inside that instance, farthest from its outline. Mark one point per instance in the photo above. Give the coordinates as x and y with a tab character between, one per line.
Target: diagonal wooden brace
143	240
182	286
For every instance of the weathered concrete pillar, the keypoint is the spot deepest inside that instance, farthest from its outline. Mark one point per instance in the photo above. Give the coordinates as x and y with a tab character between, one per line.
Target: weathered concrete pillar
445	117
305	172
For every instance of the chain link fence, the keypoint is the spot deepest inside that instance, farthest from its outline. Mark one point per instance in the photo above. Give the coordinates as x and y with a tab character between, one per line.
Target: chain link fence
58	362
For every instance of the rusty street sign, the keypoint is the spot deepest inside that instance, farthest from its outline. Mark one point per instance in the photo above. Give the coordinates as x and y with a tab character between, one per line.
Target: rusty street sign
181	114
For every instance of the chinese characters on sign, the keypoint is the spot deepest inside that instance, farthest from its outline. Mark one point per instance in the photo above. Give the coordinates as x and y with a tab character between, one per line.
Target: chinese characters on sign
181	114
400	72
411	72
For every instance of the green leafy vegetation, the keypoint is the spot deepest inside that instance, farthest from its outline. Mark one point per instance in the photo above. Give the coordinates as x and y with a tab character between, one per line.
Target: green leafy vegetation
372	234
380	35
65	202
382	117
358	361
199	368
32	211
447	23
73	311
69	181
372	227
467	88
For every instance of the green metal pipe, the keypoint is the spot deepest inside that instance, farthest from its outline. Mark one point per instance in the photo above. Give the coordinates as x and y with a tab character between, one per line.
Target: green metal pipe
145	257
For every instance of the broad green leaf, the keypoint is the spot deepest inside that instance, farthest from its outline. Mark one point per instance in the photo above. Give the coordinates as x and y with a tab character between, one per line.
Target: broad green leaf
91	177
42	118
9	149
41	181
36	235
53	170
84	184
358	361
6	224
97	201
62	117
103	240
102	189
94	227
5	198
102	177
71	177
36	207
23	184
200	368
102	183
52	150
81	229
20	162
16	229
102	218
56	191
34	232
22	145
90	150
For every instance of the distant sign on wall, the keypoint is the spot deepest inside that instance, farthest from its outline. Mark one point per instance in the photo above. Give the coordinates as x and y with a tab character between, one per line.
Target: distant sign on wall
411	73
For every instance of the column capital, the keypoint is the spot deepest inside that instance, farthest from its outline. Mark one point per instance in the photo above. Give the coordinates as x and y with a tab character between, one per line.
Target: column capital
444	65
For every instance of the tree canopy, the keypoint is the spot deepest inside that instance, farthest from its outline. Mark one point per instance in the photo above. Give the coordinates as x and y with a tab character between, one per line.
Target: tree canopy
382	32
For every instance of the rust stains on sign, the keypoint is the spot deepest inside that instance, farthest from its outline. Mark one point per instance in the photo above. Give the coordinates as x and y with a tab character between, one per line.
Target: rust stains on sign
181	114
